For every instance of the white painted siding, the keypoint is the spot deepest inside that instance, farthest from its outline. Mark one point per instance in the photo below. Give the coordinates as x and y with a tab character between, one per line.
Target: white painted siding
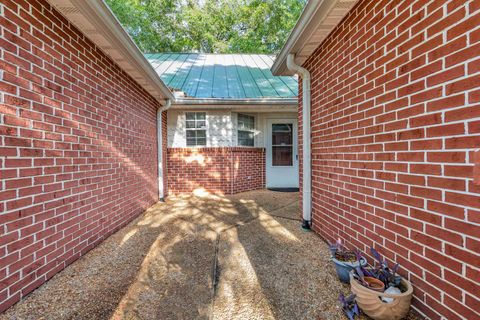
176	129
221	127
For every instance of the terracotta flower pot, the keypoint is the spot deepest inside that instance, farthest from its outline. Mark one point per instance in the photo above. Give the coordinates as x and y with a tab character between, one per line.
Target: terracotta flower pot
375	284
370	301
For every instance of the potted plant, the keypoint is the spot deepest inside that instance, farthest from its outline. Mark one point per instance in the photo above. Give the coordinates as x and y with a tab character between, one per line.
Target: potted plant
345	260
379	291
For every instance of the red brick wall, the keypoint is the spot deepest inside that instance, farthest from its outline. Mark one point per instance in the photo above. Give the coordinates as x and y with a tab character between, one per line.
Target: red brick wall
248	169
476	169
221	169
77	147
395	122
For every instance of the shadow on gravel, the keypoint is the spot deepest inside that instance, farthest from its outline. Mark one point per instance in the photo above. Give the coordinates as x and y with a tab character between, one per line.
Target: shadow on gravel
198	256
272	269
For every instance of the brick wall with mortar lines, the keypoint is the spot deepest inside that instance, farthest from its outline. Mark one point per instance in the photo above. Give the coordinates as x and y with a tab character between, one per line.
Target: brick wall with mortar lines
77	147
248	169
395	124
224	170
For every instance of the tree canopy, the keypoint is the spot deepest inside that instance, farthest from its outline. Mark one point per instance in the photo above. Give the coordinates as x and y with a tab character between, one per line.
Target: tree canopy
209	26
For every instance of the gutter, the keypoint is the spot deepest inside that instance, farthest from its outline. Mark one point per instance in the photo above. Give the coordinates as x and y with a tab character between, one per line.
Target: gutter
235	102
238	108
306	141
161	187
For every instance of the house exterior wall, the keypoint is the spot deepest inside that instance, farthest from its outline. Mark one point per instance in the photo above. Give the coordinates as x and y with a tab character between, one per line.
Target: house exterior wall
223	170
221	127
77	147
395	126
222	166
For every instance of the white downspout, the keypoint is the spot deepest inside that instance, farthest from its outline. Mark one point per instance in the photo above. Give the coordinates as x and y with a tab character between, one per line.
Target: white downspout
307	162
161	187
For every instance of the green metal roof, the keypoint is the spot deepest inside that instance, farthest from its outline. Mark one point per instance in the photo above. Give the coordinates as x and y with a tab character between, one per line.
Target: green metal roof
229	76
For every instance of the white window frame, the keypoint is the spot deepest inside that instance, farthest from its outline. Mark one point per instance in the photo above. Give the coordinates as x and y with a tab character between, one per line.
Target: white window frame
196	128
252	130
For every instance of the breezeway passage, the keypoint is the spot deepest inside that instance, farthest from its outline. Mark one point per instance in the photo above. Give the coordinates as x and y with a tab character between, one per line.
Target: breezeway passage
196	257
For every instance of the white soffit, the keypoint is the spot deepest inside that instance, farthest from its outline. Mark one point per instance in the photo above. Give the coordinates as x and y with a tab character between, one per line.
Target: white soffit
316	22
97	22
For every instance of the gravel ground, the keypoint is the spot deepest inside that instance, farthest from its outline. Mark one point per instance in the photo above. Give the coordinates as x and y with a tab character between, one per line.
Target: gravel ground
199	256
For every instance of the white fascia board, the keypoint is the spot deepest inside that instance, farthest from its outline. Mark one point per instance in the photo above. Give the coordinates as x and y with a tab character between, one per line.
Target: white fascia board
318	19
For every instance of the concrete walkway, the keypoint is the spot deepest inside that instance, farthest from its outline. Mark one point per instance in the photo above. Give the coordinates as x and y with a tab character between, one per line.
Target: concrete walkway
198	257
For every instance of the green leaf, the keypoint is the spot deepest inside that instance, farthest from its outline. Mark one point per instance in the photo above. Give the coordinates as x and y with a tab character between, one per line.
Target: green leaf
210	26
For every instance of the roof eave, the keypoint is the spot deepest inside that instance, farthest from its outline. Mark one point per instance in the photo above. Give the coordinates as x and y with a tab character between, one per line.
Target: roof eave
317	20
235	102
97	22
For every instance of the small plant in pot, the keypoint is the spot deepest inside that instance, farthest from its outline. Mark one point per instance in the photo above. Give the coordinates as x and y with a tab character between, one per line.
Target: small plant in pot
380	292
345	260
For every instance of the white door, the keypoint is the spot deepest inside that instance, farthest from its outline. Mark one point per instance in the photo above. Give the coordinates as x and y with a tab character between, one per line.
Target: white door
282	153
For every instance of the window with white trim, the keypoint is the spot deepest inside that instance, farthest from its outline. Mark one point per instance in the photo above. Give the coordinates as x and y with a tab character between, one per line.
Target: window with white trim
246	130
196	127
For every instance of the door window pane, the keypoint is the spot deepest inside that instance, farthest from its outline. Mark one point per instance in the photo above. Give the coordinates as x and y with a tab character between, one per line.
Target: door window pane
282	138
282	127
282	134
282	156
282	144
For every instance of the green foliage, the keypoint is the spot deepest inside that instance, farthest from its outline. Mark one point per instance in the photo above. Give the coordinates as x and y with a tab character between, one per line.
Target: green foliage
210	26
